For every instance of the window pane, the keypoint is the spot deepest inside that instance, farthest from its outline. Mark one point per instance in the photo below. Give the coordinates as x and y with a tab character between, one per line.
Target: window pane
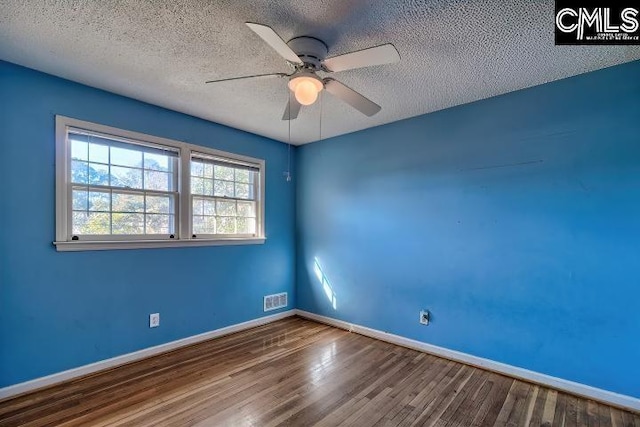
125	157
156	162
99	201
79	150
225	225
246	225
197	185
91	223
127	223
197	206
126	177
79	222
198	224
127	202
223	172
226	208
223	189
209	207
242	191
159	224
210	224
98	153
208	170
243	175
159	204
208	187
157	181
197	168
204	225
98	174
246	209
80	198
79	172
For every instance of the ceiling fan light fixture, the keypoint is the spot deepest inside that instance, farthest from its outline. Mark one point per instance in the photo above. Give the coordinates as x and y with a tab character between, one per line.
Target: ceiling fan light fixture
306	87
308	55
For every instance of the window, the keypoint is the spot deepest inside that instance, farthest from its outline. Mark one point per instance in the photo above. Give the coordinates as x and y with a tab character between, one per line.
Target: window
223	197
118	189
121	190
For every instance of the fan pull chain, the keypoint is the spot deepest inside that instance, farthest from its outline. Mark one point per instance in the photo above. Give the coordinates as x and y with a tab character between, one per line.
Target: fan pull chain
288	172
321	109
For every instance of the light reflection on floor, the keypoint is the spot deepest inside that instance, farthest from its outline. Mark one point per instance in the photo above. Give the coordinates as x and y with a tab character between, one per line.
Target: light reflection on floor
274	340
321	366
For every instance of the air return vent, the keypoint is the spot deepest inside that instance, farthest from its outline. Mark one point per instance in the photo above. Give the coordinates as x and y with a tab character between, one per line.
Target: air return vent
275	301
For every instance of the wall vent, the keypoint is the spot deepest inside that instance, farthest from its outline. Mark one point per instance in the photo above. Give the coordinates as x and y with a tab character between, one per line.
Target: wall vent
275	301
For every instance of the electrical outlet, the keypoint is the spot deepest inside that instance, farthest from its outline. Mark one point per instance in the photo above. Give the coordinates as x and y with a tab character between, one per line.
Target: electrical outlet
154	320
424	317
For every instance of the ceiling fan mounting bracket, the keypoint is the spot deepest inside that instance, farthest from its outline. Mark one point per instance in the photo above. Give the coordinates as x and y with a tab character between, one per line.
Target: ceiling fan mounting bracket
310	50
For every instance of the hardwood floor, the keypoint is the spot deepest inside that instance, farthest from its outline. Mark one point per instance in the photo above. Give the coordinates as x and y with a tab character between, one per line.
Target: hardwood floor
296	372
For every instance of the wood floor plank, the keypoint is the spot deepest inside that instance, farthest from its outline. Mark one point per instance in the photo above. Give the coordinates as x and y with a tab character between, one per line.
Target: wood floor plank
296	372
549	408
604	415
429	397
533	399
522	395
572	409
444	397
627	420
467	402
507	405
561	416
616	418
420	379
491	406
593	415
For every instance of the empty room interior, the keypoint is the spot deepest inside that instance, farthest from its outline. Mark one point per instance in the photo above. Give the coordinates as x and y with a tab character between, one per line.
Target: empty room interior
332	213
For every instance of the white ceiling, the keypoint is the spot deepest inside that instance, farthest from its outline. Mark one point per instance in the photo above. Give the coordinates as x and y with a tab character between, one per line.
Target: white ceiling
162	51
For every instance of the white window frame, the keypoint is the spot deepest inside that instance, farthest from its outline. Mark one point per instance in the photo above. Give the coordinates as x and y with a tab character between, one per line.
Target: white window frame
183	233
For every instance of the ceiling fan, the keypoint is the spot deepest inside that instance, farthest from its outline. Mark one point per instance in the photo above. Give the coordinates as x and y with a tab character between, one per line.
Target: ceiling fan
308	55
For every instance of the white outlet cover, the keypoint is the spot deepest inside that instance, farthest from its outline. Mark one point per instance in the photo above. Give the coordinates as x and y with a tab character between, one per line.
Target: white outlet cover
424	317
154	320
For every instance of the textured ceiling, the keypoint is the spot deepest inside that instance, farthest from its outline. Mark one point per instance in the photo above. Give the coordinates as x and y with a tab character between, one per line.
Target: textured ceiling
162	51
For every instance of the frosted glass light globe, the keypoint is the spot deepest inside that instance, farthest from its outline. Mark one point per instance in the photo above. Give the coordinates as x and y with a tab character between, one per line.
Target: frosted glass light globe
306	88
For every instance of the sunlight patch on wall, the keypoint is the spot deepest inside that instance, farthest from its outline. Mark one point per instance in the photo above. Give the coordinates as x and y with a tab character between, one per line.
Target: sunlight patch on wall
326	286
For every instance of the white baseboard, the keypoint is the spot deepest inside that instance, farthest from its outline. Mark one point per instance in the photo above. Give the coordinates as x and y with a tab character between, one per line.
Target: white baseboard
608	397
37	383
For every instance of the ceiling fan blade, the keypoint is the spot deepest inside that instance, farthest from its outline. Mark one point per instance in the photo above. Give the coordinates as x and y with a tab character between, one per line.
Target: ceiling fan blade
273	39
379	55
351	97
249	77
292	109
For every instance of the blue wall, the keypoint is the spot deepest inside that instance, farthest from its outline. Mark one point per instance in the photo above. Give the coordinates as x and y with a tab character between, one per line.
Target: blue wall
515	220
62	310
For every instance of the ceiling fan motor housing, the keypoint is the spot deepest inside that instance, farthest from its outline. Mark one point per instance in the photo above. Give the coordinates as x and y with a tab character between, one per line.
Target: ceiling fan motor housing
310	50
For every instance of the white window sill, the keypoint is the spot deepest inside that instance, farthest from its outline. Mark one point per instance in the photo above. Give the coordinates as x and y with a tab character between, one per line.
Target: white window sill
79	245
